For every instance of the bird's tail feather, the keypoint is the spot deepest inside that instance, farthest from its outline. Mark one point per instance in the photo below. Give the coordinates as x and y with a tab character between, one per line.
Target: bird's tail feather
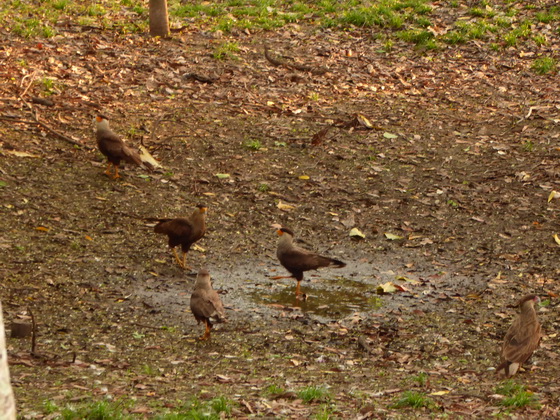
157	228
507	368
337	263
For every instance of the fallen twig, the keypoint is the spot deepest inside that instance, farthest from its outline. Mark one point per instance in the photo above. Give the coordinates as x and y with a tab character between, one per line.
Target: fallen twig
199	78
61	136
42	124
46	127
32	77
33	333
277	62
274	61
155	127
42	101
138	324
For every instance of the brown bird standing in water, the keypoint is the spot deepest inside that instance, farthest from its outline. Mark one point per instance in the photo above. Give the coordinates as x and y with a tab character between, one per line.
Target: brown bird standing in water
522	338
112	146
183	231
297	260
206	305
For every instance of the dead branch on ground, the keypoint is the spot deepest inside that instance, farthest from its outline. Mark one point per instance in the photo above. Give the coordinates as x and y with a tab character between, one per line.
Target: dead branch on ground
280	62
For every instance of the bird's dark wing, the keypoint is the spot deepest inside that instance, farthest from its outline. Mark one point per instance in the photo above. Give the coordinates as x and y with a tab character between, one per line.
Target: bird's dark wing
180	228
521	340
130	155
207	304
298	259
109	144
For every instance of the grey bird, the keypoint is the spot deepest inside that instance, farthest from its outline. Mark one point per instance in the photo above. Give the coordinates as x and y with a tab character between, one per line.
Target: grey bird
522	338
206	304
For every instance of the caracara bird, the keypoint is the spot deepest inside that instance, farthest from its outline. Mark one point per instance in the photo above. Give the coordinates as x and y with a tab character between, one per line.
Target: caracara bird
522	338
297	260
112	146
206	305
183	231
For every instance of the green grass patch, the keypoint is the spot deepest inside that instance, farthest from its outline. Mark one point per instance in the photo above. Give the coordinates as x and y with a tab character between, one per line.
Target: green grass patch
226	50
60	4
513	37
413	399
502	21
263	187
215	409
221	405
313	394
516	396
253	144
477	12
48	85
419	37
324	413
455	37
509	24
544	65
528	146
96	10
38	18
547	17
273	389
421	379
31	28
100	410
540	40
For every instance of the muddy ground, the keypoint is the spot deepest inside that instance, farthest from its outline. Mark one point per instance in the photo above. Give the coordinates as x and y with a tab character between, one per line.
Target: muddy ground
459	163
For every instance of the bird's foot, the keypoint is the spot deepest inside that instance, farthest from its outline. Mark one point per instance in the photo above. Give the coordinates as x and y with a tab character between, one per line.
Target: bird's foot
108	170
184	267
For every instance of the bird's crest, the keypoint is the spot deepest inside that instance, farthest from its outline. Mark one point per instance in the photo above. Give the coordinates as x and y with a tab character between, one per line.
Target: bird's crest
283	230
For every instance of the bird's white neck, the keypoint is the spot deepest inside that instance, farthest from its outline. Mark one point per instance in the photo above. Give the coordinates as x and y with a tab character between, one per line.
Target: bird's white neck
285	241
103	124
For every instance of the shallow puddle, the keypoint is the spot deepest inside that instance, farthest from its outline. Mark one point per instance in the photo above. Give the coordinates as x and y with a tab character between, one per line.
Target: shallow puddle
335	298
249	290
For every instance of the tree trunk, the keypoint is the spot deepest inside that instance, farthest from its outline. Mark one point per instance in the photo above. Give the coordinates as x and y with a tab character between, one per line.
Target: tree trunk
159	19
7	403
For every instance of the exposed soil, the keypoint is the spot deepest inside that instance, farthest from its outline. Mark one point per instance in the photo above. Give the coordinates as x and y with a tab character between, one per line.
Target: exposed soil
459	163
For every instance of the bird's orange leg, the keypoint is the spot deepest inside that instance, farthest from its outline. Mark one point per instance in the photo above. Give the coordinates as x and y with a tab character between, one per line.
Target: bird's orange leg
206	334
108	170
298	292
185	266
177	258
116	172
281	277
